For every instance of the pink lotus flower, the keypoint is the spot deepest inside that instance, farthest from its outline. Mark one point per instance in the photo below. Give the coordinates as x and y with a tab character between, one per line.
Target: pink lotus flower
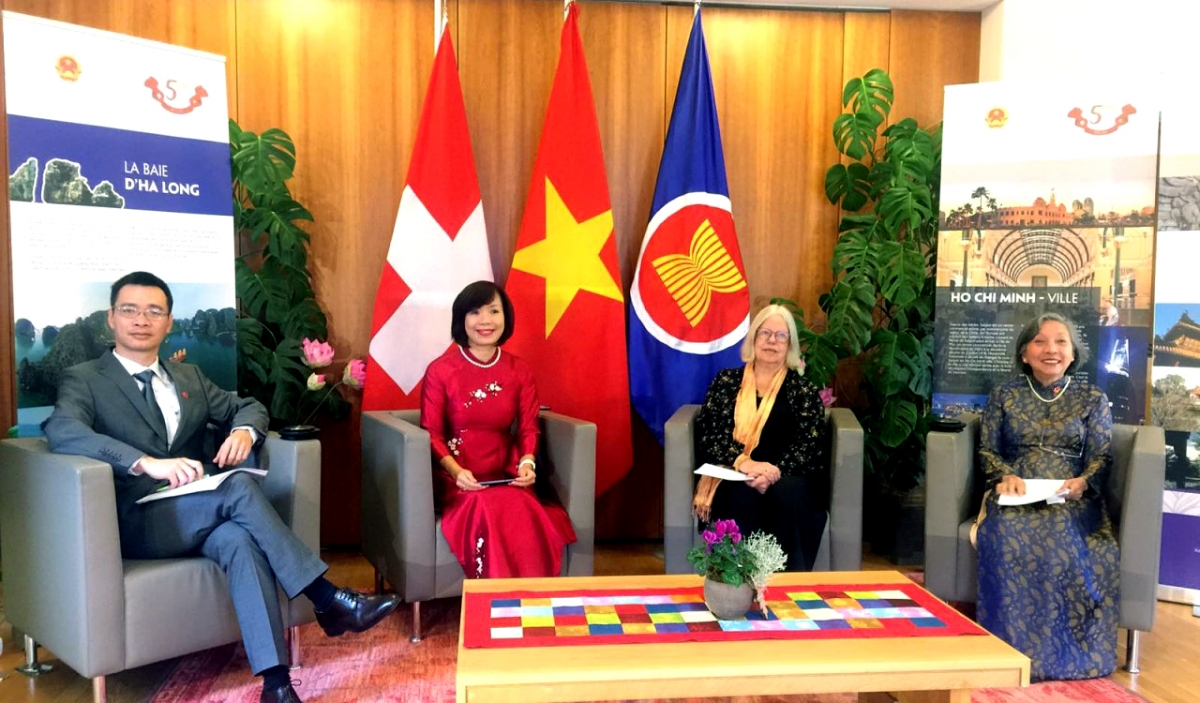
317	354
316	381
827	397
355	374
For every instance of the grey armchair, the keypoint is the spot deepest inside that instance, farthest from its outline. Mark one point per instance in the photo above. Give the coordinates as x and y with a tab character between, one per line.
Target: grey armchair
67	587
841	544
401	533
953	492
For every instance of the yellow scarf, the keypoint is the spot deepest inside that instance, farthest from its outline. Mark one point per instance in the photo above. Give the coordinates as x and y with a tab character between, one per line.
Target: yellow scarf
749	418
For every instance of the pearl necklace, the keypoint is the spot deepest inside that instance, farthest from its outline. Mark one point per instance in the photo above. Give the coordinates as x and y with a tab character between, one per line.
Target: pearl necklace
488	365
1056	397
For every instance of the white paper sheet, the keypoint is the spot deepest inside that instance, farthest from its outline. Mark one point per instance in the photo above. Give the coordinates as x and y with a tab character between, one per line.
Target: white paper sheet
207	483
721	472
1036	490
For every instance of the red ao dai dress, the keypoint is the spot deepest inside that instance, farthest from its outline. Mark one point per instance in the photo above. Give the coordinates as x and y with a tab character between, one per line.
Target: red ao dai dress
469	408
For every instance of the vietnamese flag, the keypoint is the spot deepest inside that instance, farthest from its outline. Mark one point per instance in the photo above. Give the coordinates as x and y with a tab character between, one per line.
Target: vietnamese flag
565	282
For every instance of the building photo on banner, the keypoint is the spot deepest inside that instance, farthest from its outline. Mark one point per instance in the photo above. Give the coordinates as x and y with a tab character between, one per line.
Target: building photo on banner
1047	205
118	161
1175	376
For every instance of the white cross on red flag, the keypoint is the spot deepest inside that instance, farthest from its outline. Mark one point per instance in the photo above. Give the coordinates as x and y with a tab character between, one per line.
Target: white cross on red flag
439	245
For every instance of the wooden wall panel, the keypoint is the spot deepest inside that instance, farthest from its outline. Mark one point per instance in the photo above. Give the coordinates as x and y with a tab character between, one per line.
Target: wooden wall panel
346	80
865	44
931	50
507	55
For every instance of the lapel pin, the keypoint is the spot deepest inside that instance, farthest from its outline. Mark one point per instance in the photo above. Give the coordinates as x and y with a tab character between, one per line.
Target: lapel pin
184	394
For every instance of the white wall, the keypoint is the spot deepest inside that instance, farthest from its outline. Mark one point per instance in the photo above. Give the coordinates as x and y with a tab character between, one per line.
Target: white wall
1148	41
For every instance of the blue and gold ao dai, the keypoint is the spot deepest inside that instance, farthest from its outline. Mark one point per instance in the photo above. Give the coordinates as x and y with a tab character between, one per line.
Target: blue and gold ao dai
1049	574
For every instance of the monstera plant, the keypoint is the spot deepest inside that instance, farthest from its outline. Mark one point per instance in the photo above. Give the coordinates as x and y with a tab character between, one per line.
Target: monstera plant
277	309
880	308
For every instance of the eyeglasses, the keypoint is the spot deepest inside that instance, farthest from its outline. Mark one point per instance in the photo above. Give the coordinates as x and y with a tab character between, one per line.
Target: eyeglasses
768	335
131	312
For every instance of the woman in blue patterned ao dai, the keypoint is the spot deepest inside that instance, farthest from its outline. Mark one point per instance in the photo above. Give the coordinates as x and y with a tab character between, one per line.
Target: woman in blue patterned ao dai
1049	573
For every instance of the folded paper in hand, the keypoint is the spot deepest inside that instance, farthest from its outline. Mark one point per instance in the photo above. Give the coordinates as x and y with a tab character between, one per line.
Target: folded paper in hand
722	472
207	483
1036	490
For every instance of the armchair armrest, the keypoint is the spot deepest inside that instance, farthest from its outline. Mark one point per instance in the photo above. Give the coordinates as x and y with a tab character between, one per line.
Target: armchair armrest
293	485
397	501
571	447
679	454
846	499
63	577
1141	529
950	479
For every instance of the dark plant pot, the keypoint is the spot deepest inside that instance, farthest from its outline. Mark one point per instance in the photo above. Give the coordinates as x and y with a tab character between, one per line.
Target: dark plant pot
297	432
895	525
728	602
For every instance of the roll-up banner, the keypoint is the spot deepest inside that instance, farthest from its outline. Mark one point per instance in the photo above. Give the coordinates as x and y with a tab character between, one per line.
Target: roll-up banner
1047	205
118	161
1175	400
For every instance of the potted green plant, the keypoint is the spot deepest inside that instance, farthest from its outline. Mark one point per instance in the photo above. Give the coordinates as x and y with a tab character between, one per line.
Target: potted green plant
879	311
735	569
277	308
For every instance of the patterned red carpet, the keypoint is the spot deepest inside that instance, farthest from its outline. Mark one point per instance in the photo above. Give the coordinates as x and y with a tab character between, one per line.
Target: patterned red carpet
382	665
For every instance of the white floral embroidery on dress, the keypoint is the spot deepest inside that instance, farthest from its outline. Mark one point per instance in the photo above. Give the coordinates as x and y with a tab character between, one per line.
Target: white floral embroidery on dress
454	444
479	558
481	394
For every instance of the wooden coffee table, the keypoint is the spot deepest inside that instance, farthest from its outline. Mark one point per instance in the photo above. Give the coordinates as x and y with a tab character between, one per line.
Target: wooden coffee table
925	669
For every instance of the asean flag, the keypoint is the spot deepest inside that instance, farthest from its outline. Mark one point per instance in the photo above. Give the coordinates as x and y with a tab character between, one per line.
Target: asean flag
438	246
690	304
565	280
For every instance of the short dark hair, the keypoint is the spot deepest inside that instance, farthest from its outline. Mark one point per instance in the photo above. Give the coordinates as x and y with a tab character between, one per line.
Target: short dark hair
1031	329
140	278
473	297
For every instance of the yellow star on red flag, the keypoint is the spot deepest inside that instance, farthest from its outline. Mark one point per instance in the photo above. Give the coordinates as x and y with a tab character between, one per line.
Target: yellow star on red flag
569	257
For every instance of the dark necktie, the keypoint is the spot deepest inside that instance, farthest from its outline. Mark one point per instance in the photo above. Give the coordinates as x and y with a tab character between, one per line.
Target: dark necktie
146	377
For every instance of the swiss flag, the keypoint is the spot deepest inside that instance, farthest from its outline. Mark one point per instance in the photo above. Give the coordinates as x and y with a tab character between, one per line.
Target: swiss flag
565	282
439	245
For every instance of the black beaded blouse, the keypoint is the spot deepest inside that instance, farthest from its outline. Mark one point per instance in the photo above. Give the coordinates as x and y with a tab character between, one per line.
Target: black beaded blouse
793	438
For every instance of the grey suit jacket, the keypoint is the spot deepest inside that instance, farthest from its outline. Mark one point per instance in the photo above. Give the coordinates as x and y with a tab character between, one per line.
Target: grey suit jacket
101	413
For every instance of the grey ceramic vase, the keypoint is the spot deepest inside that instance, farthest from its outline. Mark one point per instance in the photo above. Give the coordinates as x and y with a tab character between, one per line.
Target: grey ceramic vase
727	602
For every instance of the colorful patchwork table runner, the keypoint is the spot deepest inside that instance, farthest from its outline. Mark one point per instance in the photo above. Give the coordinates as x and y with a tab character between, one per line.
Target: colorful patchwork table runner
662	615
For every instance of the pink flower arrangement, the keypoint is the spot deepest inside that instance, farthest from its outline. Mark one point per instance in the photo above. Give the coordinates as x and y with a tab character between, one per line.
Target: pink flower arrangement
827	397
320	354
721	559
355	374
316	354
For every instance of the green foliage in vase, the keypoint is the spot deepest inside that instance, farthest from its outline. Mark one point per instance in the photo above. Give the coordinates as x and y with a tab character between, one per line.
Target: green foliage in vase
277	308
880	308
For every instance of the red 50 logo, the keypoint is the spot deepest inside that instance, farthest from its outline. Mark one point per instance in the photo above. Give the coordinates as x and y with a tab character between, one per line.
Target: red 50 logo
1101	119
170	94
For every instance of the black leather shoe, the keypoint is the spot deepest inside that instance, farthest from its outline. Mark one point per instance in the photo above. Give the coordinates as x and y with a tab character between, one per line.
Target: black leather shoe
283	694
354	612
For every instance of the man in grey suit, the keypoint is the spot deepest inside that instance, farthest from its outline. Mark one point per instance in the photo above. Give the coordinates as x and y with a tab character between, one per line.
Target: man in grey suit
147	417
